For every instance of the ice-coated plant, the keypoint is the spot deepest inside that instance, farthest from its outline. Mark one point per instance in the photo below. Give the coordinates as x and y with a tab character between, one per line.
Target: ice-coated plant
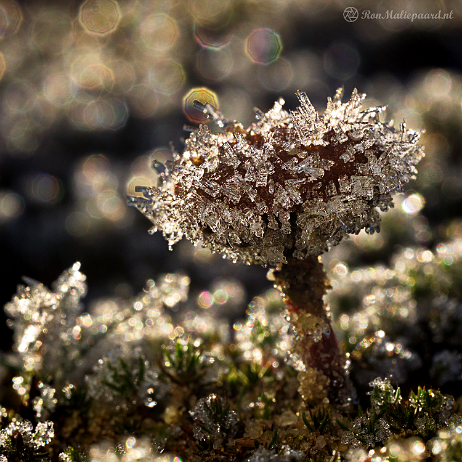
125	379
447	446
19	441
422	414
270	455
184	363
214	421
398	321
36	310
207	398
280	193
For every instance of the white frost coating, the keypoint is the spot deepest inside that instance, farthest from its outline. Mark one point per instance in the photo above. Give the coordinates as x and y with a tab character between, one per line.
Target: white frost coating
290	185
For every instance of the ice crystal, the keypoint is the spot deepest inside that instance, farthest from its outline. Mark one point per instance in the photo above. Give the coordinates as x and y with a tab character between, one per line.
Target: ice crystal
447	446
43	319
410	449
382	356
49	325
128	378
291	184
264	336
359	455
367	430
403	314
187	363
19	440
383	395
270	455
161	400
432	402
44	404
213	420
423	413
145	315
132	450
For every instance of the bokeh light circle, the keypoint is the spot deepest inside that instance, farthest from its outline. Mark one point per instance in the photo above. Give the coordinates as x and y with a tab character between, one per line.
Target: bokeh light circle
23	138
10	17
341	61
59	89
143	101
438	84
214	64
159	32
46	189
124	76
100	114
263	46
208	37
98	76
2	66
167	77
210	13
77	224
276	77
413	204
204	96
99	16
11	205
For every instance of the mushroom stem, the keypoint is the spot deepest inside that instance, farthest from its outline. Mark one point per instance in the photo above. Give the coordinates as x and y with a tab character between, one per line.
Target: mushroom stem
303	284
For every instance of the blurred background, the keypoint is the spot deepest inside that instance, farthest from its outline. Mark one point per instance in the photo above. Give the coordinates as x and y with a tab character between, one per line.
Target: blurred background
92	92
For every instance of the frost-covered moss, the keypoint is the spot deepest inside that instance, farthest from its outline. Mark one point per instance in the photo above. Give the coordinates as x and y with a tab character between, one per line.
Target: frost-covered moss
206	395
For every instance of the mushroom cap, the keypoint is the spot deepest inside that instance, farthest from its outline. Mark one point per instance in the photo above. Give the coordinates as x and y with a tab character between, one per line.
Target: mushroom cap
290	185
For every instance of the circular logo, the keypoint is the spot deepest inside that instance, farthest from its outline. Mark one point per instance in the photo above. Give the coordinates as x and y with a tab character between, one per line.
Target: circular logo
350	14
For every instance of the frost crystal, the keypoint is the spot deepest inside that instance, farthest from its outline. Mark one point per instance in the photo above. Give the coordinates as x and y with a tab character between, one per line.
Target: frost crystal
447	446
49	325
265	335
131	378
43	320
133	450
19	441
44	404
367	431
269	455
382	395
291	184
398	306
213	420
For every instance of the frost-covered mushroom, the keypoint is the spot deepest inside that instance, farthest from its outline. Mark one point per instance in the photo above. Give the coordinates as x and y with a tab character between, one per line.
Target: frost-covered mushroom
280	193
